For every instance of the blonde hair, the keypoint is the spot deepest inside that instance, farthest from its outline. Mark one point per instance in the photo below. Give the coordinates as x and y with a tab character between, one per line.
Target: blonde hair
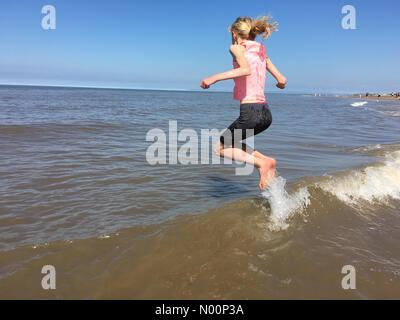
248	28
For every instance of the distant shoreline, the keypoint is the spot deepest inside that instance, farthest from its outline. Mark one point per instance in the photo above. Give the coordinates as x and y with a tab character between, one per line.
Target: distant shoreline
375	97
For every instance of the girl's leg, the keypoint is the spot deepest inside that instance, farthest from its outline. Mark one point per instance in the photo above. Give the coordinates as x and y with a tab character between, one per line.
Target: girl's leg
259	155
255	153
272	162
266	166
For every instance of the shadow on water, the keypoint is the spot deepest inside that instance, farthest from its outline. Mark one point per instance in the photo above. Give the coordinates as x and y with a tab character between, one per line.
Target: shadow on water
220	187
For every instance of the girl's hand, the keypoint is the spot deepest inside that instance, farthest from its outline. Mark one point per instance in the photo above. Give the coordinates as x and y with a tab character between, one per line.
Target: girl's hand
207	83
281	85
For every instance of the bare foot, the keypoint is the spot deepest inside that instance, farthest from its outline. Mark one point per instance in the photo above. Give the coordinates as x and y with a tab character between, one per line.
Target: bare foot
267	172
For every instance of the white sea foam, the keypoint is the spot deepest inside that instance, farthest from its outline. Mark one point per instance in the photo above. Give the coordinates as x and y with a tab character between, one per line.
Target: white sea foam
284	205
359	104
392	113
369	148
374	183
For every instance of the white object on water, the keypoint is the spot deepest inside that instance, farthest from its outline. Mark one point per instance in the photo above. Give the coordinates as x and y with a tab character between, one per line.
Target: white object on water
359	104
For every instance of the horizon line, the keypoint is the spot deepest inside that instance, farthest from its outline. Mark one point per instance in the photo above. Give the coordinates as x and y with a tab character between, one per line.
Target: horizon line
159	89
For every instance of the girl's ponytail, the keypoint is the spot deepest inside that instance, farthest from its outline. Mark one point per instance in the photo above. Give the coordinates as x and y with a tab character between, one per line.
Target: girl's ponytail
248	28
262	26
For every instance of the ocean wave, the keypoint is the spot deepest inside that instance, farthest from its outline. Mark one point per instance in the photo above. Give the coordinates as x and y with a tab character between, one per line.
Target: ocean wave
373	183
379	183
282	207
376	150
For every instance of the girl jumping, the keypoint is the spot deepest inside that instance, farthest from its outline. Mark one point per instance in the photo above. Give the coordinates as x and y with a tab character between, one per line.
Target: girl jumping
250	65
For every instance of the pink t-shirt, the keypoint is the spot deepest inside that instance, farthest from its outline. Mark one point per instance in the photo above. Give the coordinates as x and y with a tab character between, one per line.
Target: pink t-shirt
251	88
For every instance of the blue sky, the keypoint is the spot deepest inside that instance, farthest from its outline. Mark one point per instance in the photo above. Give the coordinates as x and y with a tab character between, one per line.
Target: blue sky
173	44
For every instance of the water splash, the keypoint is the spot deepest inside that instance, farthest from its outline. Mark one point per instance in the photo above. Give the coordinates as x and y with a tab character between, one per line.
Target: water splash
283	205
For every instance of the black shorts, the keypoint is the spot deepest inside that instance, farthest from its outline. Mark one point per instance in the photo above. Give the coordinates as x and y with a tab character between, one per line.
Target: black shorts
254	118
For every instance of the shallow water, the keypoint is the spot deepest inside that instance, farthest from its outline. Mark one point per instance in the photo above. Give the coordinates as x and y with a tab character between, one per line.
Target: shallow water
77	192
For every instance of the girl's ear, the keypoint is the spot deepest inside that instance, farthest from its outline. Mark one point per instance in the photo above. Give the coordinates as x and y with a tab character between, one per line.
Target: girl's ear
234	38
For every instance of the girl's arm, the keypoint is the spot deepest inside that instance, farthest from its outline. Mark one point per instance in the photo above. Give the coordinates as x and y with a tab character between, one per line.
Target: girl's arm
237	52
276	74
